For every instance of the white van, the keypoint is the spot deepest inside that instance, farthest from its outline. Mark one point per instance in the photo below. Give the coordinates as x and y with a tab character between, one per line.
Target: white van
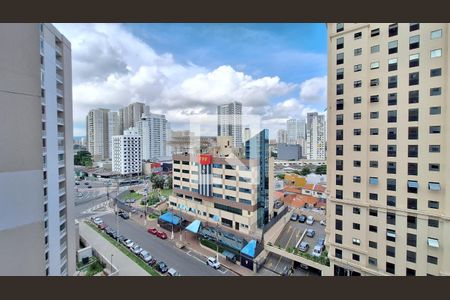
317	251
173	272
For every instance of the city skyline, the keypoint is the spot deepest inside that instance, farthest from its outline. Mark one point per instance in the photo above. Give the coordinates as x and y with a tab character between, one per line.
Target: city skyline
143	63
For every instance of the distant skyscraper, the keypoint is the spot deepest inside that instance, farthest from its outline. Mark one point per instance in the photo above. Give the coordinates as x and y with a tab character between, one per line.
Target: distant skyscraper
153	128
97	126
230	122
282	136
295	131
113	129
247	134
127	152
37	227
130	115
316	136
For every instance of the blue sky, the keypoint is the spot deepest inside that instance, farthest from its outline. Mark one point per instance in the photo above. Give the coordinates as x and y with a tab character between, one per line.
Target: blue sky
278	71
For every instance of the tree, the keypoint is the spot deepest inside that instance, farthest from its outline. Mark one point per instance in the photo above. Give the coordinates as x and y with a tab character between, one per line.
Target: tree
280	176
83	158
157	181
170	182
321	170
305	171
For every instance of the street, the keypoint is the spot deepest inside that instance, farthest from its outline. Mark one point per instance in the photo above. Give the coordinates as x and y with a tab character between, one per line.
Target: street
186	262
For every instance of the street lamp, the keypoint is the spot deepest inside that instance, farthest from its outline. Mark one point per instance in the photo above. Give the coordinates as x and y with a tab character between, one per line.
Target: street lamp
111	263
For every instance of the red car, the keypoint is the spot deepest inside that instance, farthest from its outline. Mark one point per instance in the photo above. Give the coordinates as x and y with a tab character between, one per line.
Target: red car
152	230
102	226
161	235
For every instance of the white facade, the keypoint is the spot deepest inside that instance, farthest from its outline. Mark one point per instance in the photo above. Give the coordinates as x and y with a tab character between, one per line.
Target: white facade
113	129
281	136
153	129
296	131
316	136
127	152
230	122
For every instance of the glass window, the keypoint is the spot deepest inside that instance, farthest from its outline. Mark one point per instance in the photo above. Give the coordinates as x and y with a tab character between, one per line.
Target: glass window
436	53
357	100
392	99
339	27
411	239
357	68
392	150
374	82
357	51
412	169
375	65
433	204
436	34
392	82
340	58
375	49
392	47
357	83
373	131
357	116
435	110
435	129
340	89
413	97
373	164
435	72
435	91
374	213
392	64
392	133
357	131
412	203
393	29
339	104
374	98
357	35
340	43
414	26
340	74
413	60
434	149
413	115
414	42
339	119
414	78
375	32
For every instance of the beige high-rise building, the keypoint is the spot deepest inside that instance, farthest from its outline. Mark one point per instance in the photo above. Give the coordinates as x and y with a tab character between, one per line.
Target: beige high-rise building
98	133
37	228
130	115
388	138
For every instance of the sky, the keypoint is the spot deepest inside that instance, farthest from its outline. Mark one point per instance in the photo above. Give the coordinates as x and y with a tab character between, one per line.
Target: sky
277	71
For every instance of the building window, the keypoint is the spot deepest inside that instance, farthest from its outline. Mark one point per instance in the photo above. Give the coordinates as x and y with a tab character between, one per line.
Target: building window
413	97
374	98
357	131
339	134
356	242
340	58
435	129
393	47
339	104
338	224
413	60
392	151
373	196
375	65
436	34
357	148
357	68
414	42
412	203
357	163
391	184
435	91
413	133
391	167
373	164
374	213
433	204
390	218
355	257
434	149
339	74
411	222
411	256
436	53
338	238
339	179
392	99
392	133
434	167
390	251
414	26
357	210
356	100
375	49
340	119
357	116
357	195
375	32
432	260
413	186
340	89
339	27
357	51
374	82
372	261
435	110
374	115
373	131
338	253
435	72
414	78
393	29
390	200
433	223
339	164
356	226
339	194
392	116
411	239
357	35
340	43
373	148
413	115
412	169
339	210
339	150
373	228
357	83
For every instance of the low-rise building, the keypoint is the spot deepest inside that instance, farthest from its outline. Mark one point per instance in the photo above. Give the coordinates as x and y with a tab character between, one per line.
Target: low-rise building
289	152
295	180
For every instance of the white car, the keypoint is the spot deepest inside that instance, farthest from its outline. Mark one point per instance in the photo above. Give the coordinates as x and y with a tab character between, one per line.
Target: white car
310	220
145	256
97	221
212	262
322	222
136	249
129	243
173	272
317	251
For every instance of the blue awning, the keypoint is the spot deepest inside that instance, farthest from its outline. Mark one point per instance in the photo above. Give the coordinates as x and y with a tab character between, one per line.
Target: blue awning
249	249
194	226
170	218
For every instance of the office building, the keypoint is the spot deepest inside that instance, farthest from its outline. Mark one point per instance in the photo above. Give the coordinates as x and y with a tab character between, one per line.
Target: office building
37	228
153	129
127	156
247	134
388	169
315	136
229	122
282	136
289	152
130	115
295	131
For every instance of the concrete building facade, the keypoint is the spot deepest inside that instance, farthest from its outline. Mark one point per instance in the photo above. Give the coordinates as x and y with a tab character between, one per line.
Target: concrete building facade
316	130
127	156
153	129
97	133
289	152
37	229
229	122
388	165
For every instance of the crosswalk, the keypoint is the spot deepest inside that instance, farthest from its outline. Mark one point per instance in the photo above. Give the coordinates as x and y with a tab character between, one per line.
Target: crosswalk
105	209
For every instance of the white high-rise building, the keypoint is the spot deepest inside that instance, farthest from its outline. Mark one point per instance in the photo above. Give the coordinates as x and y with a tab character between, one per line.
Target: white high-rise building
97	126
296	131
153	129
230	122
316	136
37	227
282	136
113	129
127	152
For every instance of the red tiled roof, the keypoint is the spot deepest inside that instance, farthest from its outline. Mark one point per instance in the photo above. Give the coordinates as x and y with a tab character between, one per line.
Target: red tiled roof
291	189
315	187
278	195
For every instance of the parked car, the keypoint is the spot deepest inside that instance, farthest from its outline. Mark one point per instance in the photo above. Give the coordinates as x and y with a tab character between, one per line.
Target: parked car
121	239
102	226
321	243
89	187
124	215
136	249
108	230
323	222
294	217
161	235
162	267
304	246
86	183
310	220
97	221
310	232
152	230
145	256
129	243
124	241
302	218
77	183
152	262
115	235
173	272
317	251
304	267
212	262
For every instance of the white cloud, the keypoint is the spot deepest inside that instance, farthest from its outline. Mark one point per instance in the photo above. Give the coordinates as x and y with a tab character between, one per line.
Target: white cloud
112	68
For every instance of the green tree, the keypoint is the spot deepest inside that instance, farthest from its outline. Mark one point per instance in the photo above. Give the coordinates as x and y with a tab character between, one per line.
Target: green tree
157	181
170	182
321	170
305	171
280	176
83	158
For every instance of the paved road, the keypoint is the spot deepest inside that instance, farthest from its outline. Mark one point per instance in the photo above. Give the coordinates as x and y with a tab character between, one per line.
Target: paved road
187	263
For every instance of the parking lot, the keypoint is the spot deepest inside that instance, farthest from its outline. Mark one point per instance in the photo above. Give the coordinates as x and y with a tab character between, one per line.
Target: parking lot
293	231
280	265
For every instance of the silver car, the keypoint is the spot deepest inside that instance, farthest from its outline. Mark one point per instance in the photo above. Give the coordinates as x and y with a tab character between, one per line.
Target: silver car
304	246
136	249
145	256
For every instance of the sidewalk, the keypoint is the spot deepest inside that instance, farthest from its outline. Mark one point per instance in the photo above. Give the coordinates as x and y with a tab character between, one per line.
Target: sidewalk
124	264
191	243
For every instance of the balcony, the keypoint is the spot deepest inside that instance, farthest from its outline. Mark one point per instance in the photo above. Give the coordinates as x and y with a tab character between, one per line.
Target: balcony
63	247
60	148
62	177
59	64
44	150
58	50
43	100
60	106
62	205
61	134
44	133
59	93
62	192
63	233
59	78
45	182
61	163
60	121
62	220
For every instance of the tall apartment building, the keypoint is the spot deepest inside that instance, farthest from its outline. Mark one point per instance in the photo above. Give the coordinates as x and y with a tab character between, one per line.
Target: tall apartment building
37	228
316	136
113	129
97	133
388	210
229	122
127	157
220	187
282	136
153	129
130	115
